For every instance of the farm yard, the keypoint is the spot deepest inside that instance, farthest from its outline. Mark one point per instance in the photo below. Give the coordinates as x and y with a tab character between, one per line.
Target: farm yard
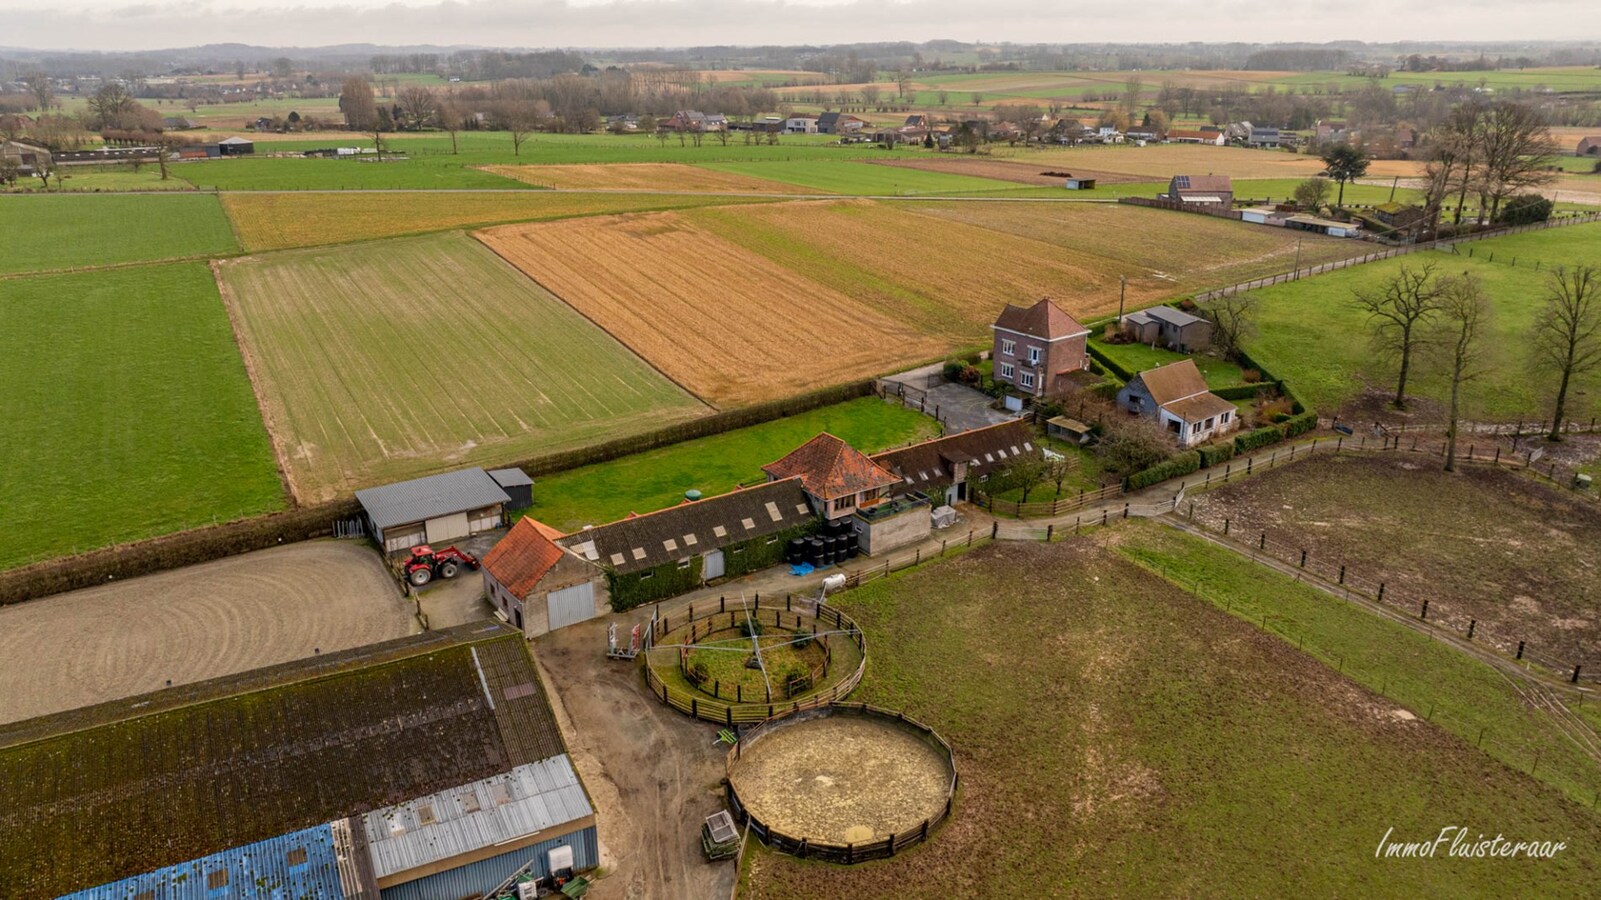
1483	543
1311	334
281	221
192	624
55	232
1078	757
374	370
644	177
128	412
655	479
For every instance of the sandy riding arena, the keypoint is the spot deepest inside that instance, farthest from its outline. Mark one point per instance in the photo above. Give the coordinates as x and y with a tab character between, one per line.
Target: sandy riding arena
841	779
191	624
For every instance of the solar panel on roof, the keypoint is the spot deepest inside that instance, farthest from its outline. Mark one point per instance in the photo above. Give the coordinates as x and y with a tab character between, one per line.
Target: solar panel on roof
1183	181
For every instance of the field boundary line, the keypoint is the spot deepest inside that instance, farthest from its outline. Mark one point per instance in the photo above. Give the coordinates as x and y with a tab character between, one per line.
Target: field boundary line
279	450
132	264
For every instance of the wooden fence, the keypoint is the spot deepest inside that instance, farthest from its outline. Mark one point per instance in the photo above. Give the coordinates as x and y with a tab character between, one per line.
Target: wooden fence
1047	508
805	847
702	628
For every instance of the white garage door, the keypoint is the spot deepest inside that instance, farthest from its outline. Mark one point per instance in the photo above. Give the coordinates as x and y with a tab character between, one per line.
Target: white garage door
404	536
447	528
712	565
569	605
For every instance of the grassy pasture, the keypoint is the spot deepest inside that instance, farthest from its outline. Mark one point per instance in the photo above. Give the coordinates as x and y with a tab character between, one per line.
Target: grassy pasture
128	412
1149	744
46	232
1309	333
656	479
1483	543
1574	245
1160	162
298	219
104	178
373	372
298	174
644	177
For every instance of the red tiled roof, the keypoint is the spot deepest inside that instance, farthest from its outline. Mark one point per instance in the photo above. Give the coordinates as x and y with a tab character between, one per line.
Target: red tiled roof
1042	320
525	555
829	468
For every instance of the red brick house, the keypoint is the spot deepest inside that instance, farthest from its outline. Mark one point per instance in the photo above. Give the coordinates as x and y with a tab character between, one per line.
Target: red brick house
539	585
1039	349
838	478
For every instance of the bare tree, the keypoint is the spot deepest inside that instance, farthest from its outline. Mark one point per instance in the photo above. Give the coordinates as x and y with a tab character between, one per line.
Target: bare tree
451	117
1516	148
1131	444
1233	320
9	171
1131	96
1312	193
903	82
1396	312
357	103
518	116
1465	313
1567	334
944	98
418	106
977	98
38	84
870	94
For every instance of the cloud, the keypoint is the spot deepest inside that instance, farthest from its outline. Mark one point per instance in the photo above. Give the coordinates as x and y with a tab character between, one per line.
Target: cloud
664	23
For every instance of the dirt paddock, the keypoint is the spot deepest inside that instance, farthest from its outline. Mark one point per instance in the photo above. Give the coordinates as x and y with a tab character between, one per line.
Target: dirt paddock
842	779
191	624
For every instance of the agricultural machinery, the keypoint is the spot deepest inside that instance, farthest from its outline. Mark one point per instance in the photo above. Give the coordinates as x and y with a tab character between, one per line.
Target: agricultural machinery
426	564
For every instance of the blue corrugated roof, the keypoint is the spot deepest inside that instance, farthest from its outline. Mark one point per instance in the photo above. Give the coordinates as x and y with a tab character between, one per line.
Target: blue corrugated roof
271	869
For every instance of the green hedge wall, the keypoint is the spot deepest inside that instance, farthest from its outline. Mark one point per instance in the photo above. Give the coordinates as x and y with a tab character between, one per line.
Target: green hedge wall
1255	440
1111	365
757	553
1212	454
659	583
1183	464
1300	424
1247	391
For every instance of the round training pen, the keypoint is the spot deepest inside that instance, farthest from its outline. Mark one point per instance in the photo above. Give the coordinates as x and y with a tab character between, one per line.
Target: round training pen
845	782
738	662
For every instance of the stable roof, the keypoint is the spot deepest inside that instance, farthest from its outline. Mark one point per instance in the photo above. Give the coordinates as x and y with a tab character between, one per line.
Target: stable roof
830	468
421	499
931	464
525	555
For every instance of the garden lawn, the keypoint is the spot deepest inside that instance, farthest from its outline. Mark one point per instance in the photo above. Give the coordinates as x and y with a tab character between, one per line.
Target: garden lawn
1137	358
1310	334
1118	737
1464	694
128	412
51	231
655	479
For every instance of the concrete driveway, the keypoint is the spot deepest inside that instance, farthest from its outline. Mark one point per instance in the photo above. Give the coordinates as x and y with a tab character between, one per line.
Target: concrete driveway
962	408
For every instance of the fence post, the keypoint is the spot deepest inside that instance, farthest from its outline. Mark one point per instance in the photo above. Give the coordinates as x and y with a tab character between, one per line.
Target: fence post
1125	510
1381	592
1576	673
1225	527
1520	651
1472	624
1342	574
1049	530
1425	613
995	529
1262	544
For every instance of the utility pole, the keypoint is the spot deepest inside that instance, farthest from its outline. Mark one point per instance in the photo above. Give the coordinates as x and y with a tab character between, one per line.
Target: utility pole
1297	255
1393	184
1122	291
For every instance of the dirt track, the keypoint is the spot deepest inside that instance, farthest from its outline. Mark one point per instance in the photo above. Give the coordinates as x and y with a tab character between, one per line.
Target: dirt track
653	774
191	624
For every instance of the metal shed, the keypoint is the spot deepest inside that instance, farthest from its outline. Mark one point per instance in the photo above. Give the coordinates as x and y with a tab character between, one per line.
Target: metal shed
517	485
434	509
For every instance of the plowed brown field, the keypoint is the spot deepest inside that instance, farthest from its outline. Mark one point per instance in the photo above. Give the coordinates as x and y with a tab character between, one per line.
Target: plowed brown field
729	324
645	177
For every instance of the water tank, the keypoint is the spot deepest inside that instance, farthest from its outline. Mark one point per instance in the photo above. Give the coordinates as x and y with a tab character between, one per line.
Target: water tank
692	495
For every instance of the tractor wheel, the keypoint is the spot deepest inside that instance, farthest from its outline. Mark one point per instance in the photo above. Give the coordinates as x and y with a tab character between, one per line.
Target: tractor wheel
420	576
448	569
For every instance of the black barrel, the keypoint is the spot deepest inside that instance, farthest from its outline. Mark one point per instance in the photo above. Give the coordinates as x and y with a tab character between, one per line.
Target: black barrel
852	549
797	551
814	551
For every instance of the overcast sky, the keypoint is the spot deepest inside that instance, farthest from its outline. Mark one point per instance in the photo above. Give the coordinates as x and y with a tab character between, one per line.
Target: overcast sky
120	24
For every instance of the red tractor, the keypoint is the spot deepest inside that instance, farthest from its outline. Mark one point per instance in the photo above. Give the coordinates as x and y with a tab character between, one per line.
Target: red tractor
426	564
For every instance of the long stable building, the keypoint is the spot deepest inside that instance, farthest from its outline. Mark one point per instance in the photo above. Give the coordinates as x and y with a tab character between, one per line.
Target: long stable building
426	767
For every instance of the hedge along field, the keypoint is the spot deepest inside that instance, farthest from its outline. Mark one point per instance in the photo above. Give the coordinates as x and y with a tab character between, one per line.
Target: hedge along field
46	232
1310	334
281	221
1163	254
127	412
657	479
730	325
1118	737
393	359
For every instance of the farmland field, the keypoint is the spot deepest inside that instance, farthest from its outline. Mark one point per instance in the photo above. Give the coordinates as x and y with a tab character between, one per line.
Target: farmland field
373	372
846	176
291	174
1309	334
730	325
1149	744
308	219
656	479
1160	162
45	232
1484	543
644	177
1019	170
128	412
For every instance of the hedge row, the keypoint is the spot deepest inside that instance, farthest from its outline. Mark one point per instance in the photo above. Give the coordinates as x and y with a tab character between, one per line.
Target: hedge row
1247	391
1300	424
1109	364
187	548
1212	454
1183	464
1256	440
172	551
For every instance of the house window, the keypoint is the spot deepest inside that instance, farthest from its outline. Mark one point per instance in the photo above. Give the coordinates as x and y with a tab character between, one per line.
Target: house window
772	540
646	574
683	564
738	550
1009	347
1207	424
1006	370
1034	356
216	879
842	503
1028	379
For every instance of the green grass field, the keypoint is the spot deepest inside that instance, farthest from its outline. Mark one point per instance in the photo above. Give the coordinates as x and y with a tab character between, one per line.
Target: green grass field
105	178
393	359
656	479
1310	334
1139	357
47	232
128	413
1117	737
1574	245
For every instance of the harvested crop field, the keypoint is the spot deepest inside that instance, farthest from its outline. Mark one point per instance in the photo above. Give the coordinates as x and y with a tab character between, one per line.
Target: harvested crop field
280	221
1160	162
1483	543
1118	737
1001	170
394	359
841	779
191	624
645	177
729	324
